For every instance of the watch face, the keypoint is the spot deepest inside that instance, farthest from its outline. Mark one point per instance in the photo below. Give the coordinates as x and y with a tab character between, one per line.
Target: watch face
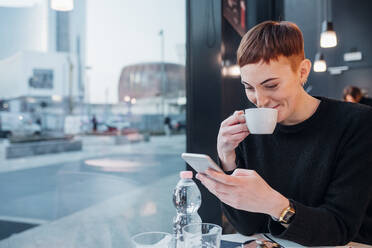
288	216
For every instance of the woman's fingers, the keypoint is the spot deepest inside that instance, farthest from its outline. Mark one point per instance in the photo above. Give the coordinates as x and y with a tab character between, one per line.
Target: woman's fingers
237	117
239	137
222	178
237	128
244	172
215	186
233	130
233	139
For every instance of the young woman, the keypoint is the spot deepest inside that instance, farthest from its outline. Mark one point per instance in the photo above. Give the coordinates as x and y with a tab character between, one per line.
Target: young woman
308	182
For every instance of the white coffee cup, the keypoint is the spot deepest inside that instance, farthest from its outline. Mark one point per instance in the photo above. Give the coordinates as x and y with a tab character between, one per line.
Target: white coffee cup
261	120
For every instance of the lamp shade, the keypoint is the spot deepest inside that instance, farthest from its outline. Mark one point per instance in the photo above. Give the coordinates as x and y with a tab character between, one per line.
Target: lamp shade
328	37
62	5
320	64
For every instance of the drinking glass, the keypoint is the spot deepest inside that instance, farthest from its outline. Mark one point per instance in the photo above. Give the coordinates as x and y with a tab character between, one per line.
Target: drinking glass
202	235
153	240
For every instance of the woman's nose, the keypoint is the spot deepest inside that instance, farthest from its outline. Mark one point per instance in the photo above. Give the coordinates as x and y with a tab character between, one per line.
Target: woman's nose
261	100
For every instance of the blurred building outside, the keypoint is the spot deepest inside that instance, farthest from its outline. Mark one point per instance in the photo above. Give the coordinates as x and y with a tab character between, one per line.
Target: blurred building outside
55	164
42	66
45	77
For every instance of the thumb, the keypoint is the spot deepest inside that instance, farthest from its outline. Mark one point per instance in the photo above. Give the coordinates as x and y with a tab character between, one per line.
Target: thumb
243	172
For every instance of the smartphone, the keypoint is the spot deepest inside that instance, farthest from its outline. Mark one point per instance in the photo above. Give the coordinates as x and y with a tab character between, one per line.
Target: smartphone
200	162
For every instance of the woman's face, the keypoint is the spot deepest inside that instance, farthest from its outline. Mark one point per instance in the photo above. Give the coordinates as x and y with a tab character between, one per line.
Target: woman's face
274	85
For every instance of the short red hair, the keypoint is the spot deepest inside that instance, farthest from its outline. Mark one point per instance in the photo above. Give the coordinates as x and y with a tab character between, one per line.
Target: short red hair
269	40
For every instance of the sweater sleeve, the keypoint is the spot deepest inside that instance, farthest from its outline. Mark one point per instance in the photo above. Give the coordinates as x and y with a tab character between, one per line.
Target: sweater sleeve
338	220
246	223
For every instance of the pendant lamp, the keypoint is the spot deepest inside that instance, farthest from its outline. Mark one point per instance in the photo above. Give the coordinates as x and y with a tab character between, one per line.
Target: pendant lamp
328	36
320	64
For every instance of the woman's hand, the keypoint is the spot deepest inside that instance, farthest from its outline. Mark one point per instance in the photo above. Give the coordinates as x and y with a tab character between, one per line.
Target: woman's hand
233	130
244	190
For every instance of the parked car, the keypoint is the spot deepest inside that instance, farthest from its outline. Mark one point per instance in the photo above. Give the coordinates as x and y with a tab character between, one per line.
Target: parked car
17	124
118	124
116	127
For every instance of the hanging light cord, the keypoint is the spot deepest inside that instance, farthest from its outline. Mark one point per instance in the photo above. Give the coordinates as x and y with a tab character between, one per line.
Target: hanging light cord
328	10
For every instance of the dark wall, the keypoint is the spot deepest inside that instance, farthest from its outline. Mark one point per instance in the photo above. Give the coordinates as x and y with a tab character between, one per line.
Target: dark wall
352	20
203	89
232	91
233	95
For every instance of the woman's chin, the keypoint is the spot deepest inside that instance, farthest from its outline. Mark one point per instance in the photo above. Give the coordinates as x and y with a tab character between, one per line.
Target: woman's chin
280	119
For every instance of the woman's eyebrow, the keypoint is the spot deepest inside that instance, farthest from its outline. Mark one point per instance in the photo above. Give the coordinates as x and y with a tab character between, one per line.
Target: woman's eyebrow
245	83
263	82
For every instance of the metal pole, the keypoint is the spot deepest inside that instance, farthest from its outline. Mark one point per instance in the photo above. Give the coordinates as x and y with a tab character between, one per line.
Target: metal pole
161	33
106	103
70	84
87	90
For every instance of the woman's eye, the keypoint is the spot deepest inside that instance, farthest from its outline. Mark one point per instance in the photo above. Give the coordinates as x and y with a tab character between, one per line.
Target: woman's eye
271	86
248	88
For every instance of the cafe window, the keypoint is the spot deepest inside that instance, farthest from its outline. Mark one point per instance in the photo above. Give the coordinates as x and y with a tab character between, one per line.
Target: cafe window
83	98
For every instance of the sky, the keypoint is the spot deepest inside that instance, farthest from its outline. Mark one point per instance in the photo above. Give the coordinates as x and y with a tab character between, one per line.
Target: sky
125	32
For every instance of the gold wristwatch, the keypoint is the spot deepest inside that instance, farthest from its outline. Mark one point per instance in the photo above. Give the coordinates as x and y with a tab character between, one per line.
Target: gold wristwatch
287	214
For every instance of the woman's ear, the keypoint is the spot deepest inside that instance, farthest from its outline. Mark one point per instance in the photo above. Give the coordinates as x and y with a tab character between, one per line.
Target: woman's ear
305	68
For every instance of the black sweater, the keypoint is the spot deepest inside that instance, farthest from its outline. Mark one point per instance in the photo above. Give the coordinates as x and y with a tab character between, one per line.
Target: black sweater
366	101
324	165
